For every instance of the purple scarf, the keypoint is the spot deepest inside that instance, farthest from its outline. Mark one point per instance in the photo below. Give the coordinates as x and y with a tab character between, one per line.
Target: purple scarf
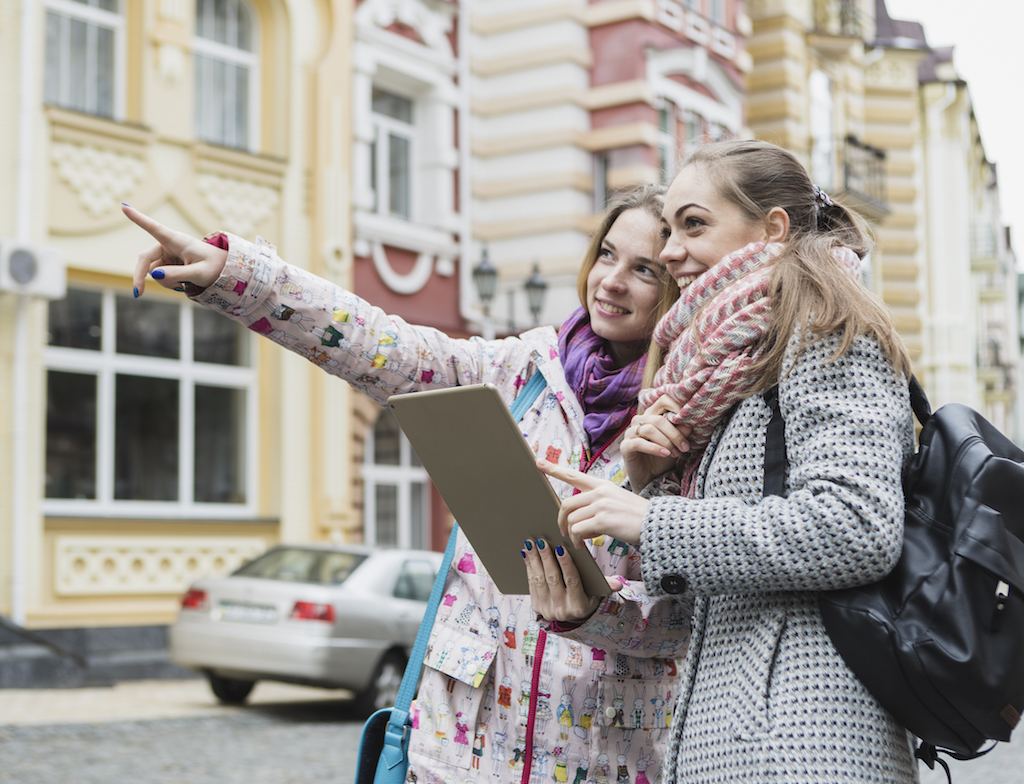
608	394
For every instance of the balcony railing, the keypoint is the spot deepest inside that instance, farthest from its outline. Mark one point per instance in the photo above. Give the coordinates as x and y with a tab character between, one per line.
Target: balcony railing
838	17
864	174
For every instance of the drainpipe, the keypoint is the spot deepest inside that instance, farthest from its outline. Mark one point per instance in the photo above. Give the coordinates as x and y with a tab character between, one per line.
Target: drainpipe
19	495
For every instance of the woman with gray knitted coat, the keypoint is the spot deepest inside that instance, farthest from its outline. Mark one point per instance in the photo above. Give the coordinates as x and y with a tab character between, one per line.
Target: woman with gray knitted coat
768	269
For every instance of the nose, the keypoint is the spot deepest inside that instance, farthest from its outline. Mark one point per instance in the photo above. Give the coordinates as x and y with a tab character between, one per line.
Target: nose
674	250
615	280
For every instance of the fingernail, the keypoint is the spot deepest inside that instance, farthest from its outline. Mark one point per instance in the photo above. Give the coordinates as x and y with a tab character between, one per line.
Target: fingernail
540	544
179	288
560	550
523	553
529	544
125	204
158	274
136	290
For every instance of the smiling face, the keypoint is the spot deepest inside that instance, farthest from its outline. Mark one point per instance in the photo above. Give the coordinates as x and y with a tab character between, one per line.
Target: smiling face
700	226
624	285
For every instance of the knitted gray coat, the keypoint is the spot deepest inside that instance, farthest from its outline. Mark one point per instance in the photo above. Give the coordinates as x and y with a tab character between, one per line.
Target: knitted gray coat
765	696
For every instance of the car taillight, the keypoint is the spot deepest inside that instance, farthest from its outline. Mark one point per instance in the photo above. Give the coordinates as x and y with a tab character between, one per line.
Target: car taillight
311	611
194	599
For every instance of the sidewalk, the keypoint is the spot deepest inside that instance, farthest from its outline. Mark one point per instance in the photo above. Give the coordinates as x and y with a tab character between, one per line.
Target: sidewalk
135	700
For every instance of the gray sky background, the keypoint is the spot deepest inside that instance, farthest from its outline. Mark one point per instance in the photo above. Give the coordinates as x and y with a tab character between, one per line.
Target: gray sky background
989	55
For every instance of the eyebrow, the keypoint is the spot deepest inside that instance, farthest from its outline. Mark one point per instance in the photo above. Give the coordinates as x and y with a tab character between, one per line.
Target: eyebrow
685	207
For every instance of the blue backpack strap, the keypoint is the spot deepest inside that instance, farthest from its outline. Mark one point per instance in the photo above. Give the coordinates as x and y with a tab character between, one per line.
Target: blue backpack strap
394	756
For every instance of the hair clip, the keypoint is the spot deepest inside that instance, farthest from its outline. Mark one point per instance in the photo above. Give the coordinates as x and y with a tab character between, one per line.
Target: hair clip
821	197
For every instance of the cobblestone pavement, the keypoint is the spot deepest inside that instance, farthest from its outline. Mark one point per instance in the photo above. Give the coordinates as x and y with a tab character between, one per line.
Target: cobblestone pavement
174	732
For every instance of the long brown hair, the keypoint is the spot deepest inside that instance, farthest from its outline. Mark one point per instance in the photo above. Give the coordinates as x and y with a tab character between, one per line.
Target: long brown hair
809	291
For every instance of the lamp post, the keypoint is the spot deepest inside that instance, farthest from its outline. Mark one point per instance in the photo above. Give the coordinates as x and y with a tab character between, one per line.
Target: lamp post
485	278
536	291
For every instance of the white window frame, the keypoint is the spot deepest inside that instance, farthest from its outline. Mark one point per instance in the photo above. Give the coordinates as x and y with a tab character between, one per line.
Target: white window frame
95	17
402	476
106	365
383	126
822	124
231	55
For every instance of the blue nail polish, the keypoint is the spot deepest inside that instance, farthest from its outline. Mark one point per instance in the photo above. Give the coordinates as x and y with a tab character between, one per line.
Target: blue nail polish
560	550
126	204
158	274
523	552
529	544
180	288
540	544
136	290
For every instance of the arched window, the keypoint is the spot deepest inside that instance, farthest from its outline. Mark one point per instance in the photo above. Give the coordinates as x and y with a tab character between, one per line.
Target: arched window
85	56
227	74
396	496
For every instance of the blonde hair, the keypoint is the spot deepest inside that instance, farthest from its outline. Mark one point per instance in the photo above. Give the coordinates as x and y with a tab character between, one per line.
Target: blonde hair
808	289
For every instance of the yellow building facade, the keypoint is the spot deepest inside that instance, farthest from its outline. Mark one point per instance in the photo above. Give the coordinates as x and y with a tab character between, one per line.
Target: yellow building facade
128	427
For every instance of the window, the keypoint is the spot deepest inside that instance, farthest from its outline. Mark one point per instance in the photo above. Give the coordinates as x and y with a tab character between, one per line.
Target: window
396	496
823	138
391	153
84	55
150	408
415	581
227	73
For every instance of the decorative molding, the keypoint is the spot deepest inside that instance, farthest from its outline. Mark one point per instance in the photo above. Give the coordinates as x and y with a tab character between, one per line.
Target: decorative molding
101	178
240	204
409	283
431	25
171	62
118	565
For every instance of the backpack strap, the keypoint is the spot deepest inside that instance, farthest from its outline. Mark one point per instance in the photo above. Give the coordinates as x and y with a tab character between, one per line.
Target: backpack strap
919	401
774	447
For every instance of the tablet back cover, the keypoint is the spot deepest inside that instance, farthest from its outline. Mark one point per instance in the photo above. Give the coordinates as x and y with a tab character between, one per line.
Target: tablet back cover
479	461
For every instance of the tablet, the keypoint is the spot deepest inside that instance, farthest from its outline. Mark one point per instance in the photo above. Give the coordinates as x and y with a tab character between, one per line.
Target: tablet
487	474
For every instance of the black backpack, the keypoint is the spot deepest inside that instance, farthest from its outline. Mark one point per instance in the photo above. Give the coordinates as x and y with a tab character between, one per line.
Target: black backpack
939	642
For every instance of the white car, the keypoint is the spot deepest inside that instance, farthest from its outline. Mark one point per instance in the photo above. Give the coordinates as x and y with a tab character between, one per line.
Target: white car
328	616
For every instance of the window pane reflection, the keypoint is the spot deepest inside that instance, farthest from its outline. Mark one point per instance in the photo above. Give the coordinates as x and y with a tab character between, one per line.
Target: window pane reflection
219	445
74	322
386	440
146	439
70	435
387	515
219	340
147	328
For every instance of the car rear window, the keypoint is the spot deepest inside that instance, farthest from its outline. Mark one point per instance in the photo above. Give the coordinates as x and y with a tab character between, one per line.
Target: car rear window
297	565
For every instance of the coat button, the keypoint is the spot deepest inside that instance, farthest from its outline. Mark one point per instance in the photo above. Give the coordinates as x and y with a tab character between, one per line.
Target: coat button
673	583
609	712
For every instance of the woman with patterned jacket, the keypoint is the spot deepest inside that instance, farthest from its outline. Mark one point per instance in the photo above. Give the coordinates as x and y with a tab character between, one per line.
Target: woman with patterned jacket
771	302
480	679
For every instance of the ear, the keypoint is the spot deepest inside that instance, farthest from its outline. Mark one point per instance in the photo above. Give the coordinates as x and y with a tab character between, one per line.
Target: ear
777	224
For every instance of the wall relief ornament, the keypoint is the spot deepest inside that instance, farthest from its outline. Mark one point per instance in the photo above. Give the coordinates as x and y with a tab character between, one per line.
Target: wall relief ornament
240	205
101	178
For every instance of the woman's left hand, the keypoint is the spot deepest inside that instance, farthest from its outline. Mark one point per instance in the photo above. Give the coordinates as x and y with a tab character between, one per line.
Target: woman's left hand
556	590
601	507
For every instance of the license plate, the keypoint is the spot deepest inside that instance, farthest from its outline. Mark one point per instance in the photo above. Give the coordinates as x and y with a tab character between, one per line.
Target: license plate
248	613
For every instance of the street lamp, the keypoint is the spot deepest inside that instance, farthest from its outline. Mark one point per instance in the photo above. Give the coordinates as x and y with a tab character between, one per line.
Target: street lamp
485	278
536	291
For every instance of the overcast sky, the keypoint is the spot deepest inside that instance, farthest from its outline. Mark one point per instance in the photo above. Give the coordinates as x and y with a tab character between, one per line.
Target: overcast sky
986	35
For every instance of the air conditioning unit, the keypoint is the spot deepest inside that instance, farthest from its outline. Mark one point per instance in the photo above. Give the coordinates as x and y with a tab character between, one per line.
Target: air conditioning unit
32	270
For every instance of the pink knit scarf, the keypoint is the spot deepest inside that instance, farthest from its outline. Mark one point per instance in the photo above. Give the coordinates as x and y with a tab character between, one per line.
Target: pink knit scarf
713	333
